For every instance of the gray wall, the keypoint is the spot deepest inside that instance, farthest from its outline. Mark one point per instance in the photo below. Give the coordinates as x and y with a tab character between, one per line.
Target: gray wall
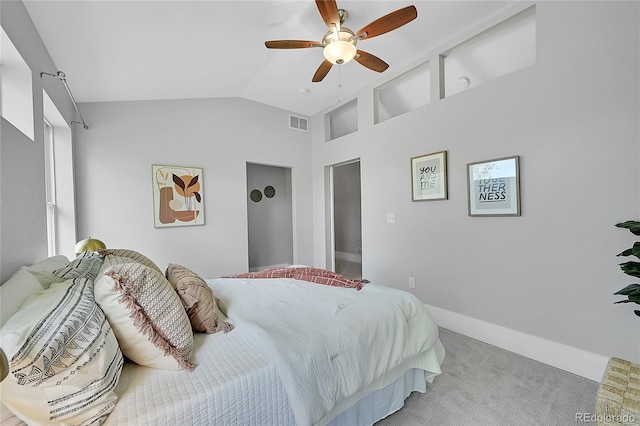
113	185
23	226
573	118
270	221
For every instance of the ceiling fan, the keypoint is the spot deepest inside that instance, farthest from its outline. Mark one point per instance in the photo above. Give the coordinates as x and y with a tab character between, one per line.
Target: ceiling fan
339	43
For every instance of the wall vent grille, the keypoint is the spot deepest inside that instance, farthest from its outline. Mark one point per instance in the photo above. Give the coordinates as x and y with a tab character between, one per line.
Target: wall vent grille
298	123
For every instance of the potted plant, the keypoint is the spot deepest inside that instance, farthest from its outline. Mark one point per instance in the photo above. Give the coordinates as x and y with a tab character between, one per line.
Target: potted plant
632	267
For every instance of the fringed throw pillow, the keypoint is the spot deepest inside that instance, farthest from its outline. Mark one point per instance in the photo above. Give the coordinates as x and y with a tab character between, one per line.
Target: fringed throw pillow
198	299
146	315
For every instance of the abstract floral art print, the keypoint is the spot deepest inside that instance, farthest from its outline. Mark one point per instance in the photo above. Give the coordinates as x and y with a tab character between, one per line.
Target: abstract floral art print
177	196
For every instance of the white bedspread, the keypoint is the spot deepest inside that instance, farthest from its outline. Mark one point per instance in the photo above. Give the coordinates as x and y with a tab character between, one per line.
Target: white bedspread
328	343
233	384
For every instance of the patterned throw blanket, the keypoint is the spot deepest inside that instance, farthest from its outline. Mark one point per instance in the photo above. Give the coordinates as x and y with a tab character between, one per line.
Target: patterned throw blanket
305	273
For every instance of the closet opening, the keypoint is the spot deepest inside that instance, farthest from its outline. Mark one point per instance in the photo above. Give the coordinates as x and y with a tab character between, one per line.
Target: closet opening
269	216
346	219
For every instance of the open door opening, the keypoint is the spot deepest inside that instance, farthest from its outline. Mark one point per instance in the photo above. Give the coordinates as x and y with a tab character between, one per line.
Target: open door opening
347	219
269	216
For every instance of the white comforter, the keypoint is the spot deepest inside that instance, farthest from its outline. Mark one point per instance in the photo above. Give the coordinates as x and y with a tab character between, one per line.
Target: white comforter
330	343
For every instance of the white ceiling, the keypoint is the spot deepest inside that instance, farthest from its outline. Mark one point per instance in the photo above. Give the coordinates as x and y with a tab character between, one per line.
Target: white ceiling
144	50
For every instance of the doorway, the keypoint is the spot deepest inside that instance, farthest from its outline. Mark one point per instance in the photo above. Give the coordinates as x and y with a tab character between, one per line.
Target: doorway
347	219
269	216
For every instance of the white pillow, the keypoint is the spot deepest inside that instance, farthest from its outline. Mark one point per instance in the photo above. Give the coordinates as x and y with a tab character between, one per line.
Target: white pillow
146	315
43	270
86	265
65	360
15	291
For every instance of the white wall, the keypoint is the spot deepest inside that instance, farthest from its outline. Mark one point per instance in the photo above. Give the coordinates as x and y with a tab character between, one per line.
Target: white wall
574	120
23	227
113	165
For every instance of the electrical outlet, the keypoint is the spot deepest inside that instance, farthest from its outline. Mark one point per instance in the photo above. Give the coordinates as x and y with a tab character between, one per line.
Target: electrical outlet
412	282
391	218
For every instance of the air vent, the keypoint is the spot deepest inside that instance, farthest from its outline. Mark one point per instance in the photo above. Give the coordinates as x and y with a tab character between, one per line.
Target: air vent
299	123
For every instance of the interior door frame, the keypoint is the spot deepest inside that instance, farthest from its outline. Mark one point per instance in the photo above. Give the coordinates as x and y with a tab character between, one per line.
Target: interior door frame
330	236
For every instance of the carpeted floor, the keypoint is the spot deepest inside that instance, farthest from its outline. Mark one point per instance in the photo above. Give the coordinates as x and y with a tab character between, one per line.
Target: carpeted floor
349	269
481	384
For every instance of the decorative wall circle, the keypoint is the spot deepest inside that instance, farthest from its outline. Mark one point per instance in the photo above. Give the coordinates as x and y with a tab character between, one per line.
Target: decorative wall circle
256	195
269	191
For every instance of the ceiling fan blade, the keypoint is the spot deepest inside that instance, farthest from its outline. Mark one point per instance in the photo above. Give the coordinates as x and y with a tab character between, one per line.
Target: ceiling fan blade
329	11
291	44
322	71
388	22
370	61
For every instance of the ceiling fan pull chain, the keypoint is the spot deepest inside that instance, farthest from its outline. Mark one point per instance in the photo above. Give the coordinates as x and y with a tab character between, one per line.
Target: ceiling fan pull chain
339	83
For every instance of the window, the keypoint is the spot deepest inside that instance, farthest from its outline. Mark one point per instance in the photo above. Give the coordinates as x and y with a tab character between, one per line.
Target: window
50	182
60	192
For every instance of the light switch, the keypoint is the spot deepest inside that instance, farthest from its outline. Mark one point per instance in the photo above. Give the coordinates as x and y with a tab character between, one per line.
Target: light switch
391	218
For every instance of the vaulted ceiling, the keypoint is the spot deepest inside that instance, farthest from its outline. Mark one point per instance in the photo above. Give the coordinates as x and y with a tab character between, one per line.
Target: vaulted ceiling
145	50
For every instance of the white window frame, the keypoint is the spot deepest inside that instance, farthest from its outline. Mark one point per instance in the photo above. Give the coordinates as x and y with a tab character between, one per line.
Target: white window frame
50	187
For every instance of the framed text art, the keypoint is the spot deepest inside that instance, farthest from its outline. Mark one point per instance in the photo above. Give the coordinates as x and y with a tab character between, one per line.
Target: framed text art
177	196
494	187
429	177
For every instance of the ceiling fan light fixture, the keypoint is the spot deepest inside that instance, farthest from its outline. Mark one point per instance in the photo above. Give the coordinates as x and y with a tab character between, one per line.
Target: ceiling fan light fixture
339	52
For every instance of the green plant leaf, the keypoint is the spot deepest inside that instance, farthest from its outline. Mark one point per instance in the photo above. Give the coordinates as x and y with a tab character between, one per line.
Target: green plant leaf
631	225
631	268
630	299
627	252
634	299
636	248
637	312
630	290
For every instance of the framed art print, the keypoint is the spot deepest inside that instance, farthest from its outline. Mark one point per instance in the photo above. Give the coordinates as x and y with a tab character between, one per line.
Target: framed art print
494	187
429	177
177	196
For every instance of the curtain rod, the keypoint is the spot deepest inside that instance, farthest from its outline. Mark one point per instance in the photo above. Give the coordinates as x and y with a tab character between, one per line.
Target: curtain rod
63	79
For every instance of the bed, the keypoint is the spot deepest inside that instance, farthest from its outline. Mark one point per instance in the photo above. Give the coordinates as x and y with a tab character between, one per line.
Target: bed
294	353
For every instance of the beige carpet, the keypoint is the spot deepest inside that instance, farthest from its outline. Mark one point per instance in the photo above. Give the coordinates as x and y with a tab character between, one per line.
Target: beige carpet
485	385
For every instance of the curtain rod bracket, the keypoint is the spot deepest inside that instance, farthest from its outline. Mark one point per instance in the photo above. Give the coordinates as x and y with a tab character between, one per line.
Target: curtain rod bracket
63	78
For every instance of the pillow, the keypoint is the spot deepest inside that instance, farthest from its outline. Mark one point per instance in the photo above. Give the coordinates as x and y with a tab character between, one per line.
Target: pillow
133	255
43	270
87	265
146	315
197	298
65	360
15	291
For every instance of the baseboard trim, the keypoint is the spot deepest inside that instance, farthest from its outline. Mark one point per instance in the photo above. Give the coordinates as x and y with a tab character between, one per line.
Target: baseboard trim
559	355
